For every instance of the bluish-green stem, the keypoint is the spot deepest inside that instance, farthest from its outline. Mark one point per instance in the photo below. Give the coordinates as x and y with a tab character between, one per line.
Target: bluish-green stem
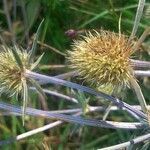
54	80
142	73
127	144
73	119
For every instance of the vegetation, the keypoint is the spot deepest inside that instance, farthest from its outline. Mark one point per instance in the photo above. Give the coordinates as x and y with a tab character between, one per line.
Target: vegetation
50	96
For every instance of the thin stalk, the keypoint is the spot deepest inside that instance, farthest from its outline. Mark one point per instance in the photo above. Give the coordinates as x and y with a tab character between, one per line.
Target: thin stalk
62	76
107	111
141	39
126	144
45	67
138	16
142	73
55	93
67	75
139	94
140	64
51	48
30	133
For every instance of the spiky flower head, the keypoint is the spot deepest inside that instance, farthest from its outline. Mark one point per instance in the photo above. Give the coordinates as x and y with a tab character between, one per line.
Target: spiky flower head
102	58
11	76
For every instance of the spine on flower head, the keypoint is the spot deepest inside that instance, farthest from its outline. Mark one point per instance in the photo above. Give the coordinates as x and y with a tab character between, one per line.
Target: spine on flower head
102	58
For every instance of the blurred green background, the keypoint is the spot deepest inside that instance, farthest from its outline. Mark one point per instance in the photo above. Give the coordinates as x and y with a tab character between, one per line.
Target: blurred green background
59	17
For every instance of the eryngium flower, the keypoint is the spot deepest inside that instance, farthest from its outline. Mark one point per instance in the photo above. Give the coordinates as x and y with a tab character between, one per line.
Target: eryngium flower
11	75
103	58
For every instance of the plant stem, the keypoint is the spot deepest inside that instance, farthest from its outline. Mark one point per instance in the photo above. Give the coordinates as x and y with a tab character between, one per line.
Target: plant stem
30	133
142	73
140	64
51	48
74	119
126	144
139	94
138	16
57	81
141	39
55	93
107	111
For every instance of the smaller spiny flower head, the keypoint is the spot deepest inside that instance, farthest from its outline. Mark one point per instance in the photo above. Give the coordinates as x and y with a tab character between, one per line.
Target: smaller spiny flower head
103	58
11	75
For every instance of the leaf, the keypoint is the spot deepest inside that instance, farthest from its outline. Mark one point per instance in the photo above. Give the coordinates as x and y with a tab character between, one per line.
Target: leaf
16	56
32	10
33	66
33	49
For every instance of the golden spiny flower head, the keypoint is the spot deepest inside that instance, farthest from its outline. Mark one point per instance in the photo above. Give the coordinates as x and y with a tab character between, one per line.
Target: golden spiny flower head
11	76
103	58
